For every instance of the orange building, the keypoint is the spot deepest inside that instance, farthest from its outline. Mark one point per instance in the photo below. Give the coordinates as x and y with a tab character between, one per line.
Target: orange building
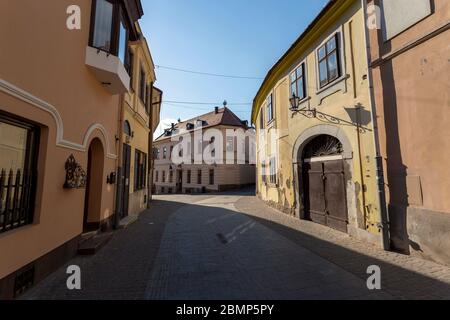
62	82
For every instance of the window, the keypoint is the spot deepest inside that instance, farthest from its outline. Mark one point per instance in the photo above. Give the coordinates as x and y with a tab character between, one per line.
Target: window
269	108
109	31
129	65
230	144
103	25
261	120
171	176
211	176
188	178
164	177
273	171
165	153
148	102
394	19
140	170
156	176
200	147
298	82
127	128
18	153
156	153
171	152
123	40
142	86
328	57
199	177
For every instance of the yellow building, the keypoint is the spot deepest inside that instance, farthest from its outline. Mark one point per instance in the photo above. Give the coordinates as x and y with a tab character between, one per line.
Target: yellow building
141	108
317	161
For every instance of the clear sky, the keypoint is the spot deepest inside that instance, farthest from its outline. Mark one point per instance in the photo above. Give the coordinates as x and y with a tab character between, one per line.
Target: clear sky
229	37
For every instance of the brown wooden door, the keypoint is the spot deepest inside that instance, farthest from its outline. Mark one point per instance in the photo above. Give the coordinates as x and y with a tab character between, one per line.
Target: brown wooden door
325	193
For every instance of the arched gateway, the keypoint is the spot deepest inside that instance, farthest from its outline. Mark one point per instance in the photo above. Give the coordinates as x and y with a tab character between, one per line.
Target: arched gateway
323	171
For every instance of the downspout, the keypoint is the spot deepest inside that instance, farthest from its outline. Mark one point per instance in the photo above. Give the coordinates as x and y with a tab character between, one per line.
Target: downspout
150	150
384	219
119	178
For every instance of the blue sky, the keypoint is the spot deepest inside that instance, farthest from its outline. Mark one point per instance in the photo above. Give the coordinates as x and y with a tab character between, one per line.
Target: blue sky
233	37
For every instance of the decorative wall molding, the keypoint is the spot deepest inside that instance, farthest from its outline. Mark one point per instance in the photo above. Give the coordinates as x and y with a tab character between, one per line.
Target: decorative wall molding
27	97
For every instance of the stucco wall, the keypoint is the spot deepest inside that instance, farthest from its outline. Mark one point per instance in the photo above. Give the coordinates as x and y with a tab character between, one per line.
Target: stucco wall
53	88
345	102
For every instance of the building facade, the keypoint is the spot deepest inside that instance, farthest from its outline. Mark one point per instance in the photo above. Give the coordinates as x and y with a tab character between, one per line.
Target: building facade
141	109
317	157
60	97
193	176
409	58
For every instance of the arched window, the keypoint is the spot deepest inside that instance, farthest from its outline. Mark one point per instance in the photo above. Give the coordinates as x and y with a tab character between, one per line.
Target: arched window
323	146
127	128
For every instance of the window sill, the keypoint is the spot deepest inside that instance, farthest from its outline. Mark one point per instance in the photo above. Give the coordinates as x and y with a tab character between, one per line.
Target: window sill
337	85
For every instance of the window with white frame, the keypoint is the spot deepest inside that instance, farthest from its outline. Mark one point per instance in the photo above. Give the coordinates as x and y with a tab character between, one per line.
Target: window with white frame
328	56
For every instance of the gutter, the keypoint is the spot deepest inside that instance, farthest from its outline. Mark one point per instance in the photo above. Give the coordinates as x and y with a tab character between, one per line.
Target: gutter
381	195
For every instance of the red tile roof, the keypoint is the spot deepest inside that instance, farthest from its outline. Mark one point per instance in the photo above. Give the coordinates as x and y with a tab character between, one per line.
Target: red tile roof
224	117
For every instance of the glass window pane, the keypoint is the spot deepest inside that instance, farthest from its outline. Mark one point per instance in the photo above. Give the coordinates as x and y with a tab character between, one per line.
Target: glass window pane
323	77
294	89
331	44
322	53
293	77
332	66
300	72
103	25
13	147
122	42
301	93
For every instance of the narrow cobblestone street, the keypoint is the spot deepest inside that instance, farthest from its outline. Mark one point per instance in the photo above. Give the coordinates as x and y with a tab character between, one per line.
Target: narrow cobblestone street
232	246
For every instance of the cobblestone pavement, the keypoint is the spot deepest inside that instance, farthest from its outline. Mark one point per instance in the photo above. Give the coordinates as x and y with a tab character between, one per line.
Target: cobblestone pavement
232	246
403	276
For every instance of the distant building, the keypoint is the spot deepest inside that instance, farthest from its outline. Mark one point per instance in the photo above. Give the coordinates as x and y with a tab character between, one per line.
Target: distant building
190	177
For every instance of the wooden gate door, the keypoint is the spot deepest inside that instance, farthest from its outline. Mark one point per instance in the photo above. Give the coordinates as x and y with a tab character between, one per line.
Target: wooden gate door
325	193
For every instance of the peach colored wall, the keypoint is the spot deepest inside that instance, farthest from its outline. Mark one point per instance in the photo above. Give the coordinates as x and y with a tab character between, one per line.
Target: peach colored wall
413	88
47	60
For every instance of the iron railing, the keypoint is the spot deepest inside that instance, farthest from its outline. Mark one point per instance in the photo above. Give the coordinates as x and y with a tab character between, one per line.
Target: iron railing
15	200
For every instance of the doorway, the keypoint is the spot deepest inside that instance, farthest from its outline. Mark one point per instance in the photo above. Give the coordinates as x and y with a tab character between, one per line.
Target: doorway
324	183
126	165
94	185
179	181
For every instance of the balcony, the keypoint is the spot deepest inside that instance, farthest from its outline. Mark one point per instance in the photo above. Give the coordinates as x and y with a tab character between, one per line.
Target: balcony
109	70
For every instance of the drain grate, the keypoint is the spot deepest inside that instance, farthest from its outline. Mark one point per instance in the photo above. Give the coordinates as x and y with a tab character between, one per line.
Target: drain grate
222	238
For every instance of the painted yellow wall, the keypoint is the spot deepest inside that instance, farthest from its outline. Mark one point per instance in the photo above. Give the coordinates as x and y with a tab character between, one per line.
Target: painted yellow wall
339	102
140	122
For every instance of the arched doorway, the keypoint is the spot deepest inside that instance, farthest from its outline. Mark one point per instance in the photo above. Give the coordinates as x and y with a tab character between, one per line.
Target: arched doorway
324	182
93	198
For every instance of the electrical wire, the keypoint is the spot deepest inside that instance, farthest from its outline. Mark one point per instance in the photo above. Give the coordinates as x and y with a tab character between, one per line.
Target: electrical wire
207	73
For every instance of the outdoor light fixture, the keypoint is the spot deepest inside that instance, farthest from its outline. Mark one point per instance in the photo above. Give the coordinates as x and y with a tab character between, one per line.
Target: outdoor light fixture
307	112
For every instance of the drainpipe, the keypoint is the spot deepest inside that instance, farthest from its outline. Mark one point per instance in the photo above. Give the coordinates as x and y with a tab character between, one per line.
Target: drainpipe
384	219
150	150
119	180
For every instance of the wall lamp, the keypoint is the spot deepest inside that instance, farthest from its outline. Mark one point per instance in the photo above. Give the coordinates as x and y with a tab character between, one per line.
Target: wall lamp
295	103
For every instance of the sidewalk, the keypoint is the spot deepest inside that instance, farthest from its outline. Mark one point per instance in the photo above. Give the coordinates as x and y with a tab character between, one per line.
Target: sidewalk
404	277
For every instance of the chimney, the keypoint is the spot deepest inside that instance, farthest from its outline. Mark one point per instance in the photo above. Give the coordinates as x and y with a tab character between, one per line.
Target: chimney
173	126
216	110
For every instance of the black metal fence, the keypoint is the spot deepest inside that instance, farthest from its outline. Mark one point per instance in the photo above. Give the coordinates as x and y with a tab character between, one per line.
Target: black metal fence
15	200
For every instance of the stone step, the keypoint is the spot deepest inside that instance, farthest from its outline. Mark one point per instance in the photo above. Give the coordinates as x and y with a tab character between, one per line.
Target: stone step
92	245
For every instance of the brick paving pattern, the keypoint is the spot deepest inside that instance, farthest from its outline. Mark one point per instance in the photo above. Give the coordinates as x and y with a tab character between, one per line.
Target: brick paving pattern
235	247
